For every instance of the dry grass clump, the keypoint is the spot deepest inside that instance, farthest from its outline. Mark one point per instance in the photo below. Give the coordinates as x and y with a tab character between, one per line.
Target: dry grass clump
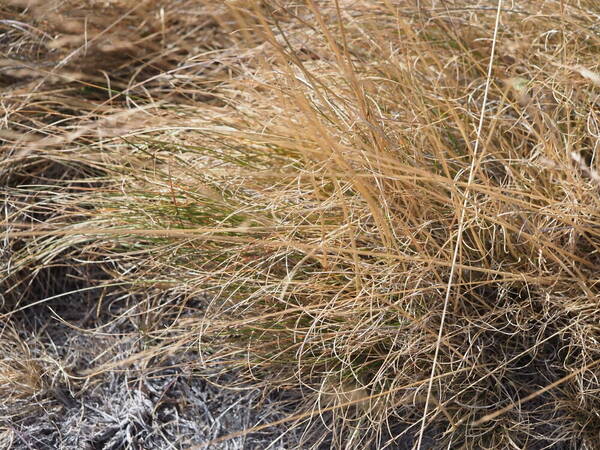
391	207
77	77
21	376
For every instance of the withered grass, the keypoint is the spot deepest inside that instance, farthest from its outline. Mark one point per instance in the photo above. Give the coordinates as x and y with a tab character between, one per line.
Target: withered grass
301	193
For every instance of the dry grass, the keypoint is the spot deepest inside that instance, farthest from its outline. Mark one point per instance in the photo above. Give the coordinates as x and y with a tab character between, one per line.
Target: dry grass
332	198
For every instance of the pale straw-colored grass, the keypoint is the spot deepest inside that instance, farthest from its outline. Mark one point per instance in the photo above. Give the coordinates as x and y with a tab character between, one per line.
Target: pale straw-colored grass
348	200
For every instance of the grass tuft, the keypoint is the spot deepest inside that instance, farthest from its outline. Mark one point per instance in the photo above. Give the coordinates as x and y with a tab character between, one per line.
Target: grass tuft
387	209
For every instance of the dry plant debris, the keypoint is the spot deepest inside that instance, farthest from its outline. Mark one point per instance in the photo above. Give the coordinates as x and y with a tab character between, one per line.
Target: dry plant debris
313	224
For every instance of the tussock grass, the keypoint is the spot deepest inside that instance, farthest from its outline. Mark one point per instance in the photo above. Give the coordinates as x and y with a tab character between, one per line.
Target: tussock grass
303	193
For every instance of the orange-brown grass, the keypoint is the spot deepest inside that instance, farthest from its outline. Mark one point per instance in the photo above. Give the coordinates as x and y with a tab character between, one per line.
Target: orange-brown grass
389	207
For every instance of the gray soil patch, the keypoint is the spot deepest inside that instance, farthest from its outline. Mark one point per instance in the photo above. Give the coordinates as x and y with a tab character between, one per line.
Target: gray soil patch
169	405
